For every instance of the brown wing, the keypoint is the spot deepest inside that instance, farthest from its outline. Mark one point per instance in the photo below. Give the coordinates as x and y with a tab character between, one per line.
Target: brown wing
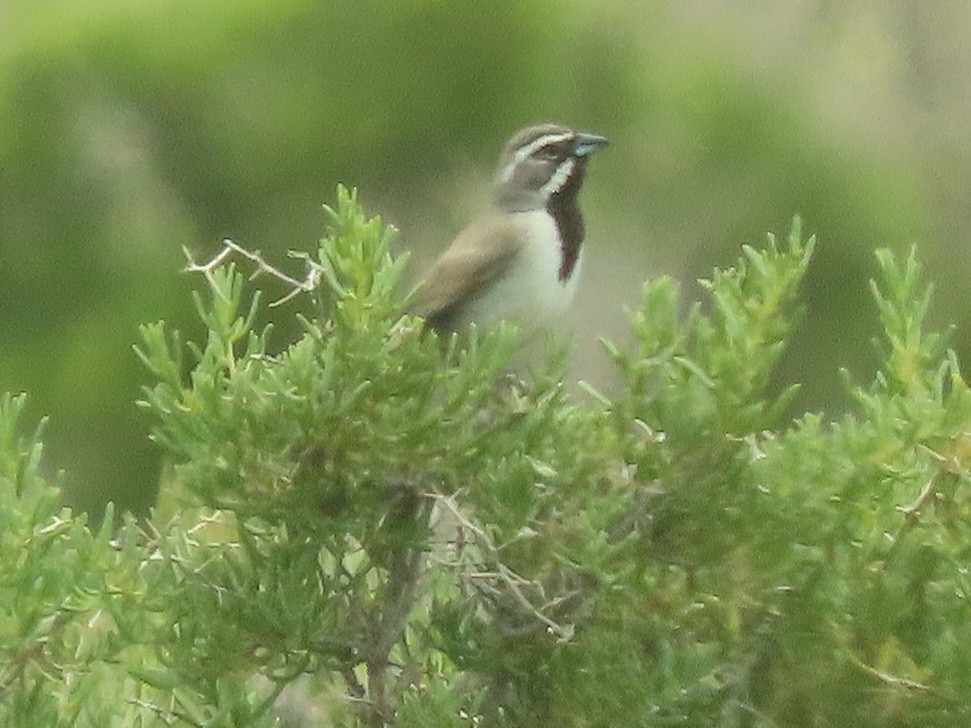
480	254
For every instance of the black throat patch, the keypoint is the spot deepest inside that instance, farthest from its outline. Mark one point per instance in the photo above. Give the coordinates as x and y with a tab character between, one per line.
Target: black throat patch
565	210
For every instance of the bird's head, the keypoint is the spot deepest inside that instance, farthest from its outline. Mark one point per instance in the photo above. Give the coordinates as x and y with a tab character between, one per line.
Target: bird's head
540	163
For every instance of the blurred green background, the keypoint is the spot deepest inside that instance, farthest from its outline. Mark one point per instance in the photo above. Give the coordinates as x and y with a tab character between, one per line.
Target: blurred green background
129	129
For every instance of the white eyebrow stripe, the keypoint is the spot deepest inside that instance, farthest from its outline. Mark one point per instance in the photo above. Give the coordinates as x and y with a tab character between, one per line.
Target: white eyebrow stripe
527	150
559	178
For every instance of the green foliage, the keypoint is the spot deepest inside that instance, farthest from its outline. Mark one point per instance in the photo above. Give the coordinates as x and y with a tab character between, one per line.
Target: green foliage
371	526
708	374
66	591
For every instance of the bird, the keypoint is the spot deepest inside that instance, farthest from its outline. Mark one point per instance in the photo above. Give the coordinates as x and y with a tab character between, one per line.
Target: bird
519	262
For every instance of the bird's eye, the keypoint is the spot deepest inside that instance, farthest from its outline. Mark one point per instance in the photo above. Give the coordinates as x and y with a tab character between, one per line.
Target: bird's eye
548	154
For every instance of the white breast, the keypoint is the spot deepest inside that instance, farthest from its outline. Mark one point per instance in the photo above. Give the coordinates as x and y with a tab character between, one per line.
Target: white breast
531	293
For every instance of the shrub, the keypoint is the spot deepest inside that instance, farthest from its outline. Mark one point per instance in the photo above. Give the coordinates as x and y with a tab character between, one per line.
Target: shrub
374	527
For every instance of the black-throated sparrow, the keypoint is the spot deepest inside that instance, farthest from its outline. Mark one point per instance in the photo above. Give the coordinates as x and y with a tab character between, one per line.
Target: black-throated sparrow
522	261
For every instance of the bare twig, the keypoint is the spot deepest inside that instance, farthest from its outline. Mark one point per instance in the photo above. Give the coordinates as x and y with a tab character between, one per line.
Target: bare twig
887	678
510	581
912	511
217	261
310	283
169	717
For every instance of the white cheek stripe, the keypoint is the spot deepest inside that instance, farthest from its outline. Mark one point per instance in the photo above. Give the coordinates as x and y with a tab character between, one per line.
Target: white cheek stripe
524	152
560	176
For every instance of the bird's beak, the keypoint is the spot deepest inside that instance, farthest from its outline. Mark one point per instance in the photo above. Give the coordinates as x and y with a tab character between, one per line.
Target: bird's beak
588	143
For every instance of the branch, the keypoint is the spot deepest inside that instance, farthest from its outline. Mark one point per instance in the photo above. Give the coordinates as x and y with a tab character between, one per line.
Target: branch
912	511
310	283
393	609
509	579
886	678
